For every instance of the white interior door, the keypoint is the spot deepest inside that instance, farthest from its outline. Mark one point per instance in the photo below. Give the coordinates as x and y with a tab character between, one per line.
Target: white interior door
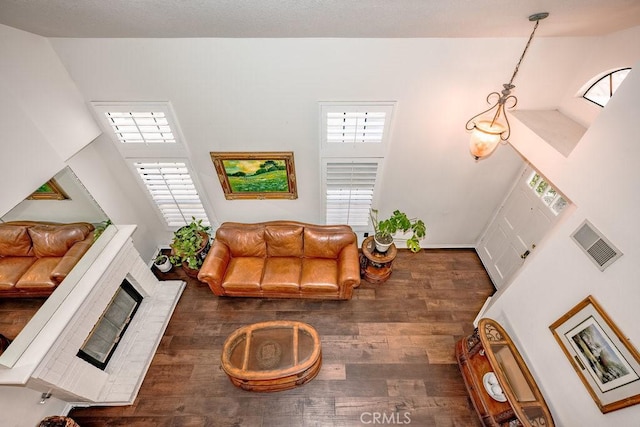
531	209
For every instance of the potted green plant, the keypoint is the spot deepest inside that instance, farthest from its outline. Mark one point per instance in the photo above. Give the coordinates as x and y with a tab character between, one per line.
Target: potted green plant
163	263
398	221
190	246
99	229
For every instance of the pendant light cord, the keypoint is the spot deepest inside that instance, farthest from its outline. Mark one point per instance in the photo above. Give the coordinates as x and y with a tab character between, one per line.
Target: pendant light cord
523	53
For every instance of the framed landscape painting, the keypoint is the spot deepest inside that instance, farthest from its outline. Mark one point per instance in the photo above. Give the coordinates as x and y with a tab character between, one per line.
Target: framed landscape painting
50	190
605	360
256	175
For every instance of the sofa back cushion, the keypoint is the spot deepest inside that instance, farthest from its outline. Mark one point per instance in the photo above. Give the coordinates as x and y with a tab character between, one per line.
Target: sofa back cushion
326	241
55	240
243	240
284	240
14	240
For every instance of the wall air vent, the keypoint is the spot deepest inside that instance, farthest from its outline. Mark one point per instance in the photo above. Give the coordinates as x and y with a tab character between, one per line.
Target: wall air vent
595	245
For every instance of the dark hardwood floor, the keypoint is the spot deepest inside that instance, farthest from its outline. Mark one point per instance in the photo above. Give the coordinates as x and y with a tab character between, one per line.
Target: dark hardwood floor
388	355
15	313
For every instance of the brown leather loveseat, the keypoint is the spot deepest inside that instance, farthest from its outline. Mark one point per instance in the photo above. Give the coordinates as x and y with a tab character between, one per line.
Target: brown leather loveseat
282	259
36	256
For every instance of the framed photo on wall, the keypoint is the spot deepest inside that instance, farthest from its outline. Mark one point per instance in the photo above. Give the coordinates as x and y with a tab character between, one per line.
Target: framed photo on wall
256	175
604	359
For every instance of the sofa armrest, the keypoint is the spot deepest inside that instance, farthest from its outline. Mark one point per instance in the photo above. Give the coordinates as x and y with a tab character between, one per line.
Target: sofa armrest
214	267
70	259
349	268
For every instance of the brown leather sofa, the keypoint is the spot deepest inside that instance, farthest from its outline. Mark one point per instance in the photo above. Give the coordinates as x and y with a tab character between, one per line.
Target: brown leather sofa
36	256
282	259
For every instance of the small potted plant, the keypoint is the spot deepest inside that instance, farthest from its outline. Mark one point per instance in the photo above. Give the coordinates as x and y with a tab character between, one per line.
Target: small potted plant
190	246
163	263
99	229
398	221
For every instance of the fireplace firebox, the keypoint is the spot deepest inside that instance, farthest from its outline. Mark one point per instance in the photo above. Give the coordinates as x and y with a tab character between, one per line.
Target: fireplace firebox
103	340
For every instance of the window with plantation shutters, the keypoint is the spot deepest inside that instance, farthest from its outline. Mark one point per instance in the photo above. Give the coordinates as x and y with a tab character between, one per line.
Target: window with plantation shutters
142	127
137	127
358	129
349	189
353	127
172	190
353	144
149	139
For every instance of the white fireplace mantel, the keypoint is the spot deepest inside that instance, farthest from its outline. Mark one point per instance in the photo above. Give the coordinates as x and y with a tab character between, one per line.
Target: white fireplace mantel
49	363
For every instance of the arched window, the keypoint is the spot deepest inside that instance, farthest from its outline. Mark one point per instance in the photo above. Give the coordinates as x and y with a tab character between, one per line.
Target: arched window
601	91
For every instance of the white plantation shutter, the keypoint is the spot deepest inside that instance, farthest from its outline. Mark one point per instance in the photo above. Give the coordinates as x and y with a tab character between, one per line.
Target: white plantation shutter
172	190
349	190
355	127
354	139
148	136
148	127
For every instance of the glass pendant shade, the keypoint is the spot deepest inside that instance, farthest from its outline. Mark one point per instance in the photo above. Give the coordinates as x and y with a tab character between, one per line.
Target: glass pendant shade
485	137
487	133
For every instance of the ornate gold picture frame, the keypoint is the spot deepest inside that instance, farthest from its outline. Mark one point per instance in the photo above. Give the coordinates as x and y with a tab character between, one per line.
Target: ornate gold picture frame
50	190
604	359
256	175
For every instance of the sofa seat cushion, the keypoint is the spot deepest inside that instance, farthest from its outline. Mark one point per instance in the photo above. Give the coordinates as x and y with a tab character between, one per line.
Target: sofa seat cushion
14	240
243	274
319	275
12	268
282	274
38	276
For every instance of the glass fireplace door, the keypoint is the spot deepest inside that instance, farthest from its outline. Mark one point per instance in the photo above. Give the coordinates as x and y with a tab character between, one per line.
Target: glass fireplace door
104	338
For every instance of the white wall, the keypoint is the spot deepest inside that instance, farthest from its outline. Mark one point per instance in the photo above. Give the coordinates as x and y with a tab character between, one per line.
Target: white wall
263	94
78	207
45	126
601	178
103	171
34	75
42	116
612	52
24	406
24	148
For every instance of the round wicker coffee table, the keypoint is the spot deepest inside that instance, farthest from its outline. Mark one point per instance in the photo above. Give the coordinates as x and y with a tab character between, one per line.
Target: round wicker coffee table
272	356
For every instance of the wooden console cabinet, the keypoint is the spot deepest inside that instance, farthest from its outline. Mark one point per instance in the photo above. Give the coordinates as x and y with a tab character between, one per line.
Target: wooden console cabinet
488	350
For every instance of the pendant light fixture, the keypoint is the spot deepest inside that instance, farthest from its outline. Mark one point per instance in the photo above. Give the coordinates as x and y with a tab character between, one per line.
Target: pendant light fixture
492	125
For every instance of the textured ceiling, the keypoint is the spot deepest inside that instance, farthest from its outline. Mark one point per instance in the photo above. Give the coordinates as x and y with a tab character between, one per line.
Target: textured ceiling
316	18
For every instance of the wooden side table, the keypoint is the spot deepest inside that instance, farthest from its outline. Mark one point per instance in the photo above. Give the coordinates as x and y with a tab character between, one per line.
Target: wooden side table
375	267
